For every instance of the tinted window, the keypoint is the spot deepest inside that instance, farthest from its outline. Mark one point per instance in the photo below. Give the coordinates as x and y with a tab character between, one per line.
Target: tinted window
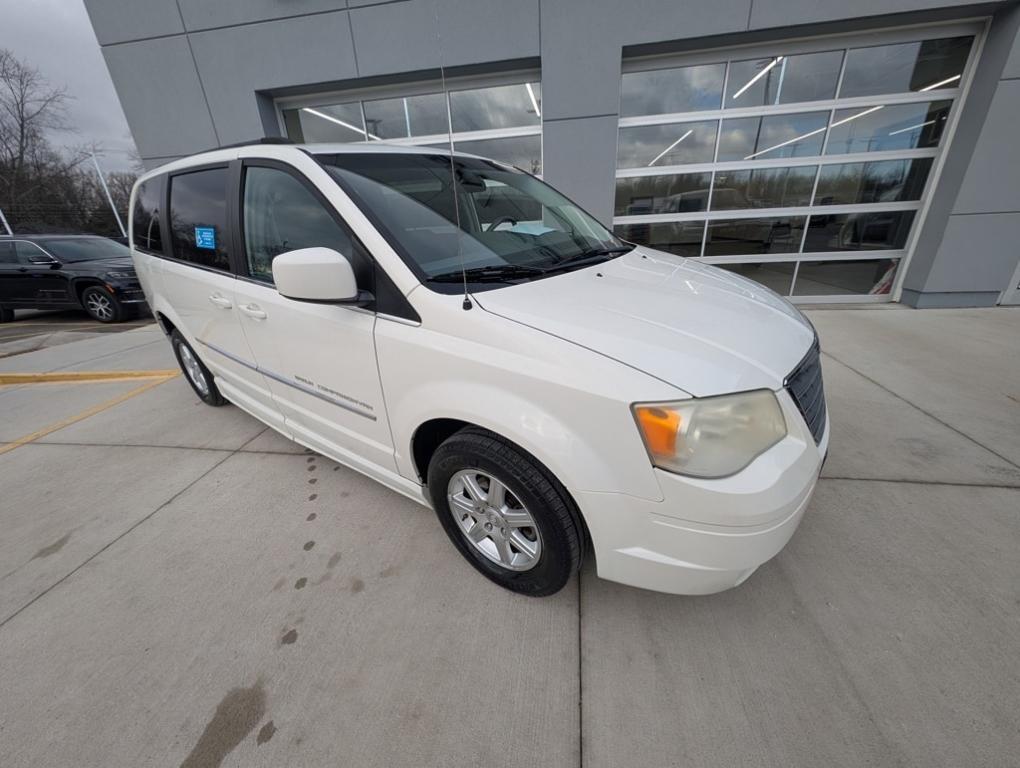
763	188
198	217
728	237
7	252
73	249
886	230
886	181
783	79
680	237
663	91
679	193
657	145
920	66
145	217
406	116
748	138
280	215
26	251
506	106
887	127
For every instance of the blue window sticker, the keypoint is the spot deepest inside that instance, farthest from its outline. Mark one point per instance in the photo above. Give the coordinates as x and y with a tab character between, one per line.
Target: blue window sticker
205	237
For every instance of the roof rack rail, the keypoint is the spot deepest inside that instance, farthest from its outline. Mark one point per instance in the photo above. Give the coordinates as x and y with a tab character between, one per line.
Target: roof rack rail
253	142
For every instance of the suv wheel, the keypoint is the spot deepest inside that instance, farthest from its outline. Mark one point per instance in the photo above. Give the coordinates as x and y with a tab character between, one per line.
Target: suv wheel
102	305
198	376
505	512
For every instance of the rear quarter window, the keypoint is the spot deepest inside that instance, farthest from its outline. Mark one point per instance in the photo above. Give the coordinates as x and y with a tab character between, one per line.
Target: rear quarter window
145	227
198	218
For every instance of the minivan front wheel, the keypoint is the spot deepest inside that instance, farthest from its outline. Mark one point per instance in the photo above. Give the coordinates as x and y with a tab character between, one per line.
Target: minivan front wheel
505	512
198	376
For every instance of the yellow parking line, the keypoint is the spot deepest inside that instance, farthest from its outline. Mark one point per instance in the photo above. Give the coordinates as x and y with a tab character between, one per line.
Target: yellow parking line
83	376
83	415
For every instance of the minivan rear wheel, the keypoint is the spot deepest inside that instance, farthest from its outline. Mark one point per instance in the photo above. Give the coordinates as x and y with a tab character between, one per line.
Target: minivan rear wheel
198	376
505	512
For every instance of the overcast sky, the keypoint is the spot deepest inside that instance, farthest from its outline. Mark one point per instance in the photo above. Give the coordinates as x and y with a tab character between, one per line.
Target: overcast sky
56	37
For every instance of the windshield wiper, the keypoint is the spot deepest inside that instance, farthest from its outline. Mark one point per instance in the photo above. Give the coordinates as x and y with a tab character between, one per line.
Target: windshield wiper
593	256
494	273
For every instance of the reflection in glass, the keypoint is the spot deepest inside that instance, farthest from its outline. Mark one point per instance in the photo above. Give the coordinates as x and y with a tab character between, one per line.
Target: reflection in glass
885	127
783	79
763	188
842	278
407	116
776	275
661	145
332	122
905	67
680	237
676	193
663	91
731	237
198	200
505	106
885	230
525	152
885	181
748	138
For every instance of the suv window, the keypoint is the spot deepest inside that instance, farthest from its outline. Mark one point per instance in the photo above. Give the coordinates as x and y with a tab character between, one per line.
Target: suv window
25	249
145	217
281	214
7	252
198	218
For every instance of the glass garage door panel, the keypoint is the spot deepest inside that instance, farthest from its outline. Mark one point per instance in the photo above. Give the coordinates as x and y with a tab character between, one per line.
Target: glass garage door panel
791	155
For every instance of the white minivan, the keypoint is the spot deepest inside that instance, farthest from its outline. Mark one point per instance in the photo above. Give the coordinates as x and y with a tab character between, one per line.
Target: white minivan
456	329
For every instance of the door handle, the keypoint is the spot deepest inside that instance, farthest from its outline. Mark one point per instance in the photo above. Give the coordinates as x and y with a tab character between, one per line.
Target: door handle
220	301
253	310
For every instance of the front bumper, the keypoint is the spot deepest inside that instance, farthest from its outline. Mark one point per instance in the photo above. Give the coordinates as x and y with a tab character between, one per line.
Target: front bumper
131	294
707	536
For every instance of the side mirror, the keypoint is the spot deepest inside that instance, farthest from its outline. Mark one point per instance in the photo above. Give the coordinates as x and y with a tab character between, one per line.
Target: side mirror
317	274
42	258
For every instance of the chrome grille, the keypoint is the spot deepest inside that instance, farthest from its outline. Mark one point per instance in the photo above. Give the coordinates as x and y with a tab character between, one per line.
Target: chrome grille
805	387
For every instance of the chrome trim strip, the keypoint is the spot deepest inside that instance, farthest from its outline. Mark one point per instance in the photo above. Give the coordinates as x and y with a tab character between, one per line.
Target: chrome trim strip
289	382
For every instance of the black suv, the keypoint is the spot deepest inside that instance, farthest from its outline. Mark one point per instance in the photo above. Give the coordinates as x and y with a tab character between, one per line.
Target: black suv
68	272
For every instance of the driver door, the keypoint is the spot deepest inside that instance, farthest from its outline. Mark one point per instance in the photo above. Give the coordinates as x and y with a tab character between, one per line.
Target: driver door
319	359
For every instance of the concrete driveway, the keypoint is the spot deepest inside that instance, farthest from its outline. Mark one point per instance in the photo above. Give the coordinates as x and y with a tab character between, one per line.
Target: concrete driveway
180	586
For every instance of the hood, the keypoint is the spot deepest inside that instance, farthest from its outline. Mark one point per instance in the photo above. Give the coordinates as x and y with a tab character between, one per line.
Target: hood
697	327
114	264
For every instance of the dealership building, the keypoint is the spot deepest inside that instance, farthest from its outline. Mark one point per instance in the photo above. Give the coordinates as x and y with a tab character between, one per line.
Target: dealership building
835	151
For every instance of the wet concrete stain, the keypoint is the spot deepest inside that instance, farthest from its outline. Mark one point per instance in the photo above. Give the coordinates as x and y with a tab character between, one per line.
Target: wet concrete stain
311	459
265	733
312	480
289	638
311	517
344	494
53	548
311	467
279	585
309	545
313	497
392	570
356	586
236	716
300	583
331	563
322	579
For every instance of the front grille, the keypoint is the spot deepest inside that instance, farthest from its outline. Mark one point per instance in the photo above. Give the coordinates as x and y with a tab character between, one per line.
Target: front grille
806	389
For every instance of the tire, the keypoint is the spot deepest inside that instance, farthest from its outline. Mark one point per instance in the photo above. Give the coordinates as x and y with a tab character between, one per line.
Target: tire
198	376
6	315
102	305
532	559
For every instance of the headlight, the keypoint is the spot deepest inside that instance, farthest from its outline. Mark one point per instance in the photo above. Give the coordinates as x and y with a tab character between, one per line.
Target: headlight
712	436
120	275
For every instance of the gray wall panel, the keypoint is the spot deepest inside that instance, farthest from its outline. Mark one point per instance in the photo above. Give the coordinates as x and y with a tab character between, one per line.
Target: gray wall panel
652	21
782	13
579	159
161	95
977	253
405	37
117	21
992	181
202	14
236	62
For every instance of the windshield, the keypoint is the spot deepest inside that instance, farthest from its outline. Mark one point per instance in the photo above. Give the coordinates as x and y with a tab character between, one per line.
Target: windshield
69	250
512	226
